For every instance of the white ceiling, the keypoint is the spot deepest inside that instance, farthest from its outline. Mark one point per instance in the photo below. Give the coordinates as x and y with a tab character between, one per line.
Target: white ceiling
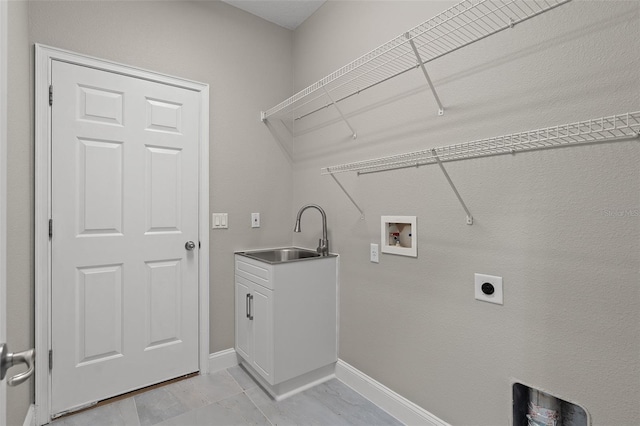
286	13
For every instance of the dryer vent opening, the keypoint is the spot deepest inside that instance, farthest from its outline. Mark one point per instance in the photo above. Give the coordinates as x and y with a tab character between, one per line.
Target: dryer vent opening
533	407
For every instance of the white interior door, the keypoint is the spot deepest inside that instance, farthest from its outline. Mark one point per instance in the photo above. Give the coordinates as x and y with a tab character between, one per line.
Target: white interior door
124	200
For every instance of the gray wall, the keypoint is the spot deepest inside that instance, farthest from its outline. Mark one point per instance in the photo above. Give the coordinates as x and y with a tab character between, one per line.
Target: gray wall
572	308
20	178
247	63
546	221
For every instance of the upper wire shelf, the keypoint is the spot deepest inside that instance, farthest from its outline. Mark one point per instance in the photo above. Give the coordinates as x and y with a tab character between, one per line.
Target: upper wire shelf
614	127
455	28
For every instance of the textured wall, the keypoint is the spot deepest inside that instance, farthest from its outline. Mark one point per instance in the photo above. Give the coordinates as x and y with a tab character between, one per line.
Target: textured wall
19	207
572	305
546	221
247	63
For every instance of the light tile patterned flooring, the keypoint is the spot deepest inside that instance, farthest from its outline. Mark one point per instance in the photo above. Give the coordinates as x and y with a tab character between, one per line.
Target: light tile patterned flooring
231	397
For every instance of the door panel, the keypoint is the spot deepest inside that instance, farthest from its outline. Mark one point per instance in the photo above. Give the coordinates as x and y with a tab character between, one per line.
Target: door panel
164	116
124	202
243	324
164	281
262	330
163	189
99	313
100	180
100	105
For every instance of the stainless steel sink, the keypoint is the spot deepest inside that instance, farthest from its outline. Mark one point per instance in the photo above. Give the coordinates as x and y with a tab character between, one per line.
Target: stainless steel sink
279	255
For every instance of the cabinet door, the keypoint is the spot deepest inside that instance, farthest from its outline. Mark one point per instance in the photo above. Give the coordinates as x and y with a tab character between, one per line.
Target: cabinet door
243	323
262	310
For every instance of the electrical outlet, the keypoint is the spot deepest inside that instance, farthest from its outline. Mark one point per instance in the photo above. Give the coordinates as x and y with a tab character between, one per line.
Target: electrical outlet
488	288
375	254
255	220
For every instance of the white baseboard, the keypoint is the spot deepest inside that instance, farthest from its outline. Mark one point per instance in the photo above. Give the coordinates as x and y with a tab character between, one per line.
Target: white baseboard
396	405
294	385
222	360
30	418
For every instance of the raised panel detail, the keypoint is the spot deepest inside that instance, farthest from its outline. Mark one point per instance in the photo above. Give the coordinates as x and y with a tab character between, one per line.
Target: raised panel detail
100	105
163	190
100	187
243	324
163	295
262	332
164	116
99	304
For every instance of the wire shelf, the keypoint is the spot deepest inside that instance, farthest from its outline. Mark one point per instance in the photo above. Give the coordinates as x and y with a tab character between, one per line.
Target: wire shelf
614	127
459	26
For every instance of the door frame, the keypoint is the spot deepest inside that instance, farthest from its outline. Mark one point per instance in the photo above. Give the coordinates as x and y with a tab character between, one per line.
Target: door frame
44	56
4	65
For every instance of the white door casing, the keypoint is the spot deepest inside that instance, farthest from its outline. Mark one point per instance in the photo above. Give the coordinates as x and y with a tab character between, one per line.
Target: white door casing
126	137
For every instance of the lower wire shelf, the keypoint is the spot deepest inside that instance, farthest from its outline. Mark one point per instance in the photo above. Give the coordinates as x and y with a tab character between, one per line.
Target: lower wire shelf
622	126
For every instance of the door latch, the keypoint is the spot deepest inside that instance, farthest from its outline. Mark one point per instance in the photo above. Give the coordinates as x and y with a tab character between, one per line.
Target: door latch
8	360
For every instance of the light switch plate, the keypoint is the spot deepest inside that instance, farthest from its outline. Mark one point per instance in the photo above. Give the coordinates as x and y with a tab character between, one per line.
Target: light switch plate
219	220
255	220
493	285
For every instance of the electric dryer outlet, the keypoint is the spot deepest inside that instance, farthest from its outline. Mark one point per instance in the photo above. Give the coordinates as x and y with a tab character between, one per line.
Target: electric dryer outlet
488	288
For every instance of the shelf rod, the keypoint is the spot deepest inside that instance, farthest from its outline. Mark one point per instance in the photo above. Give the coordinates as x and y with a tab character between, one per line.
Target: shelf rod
348	196
455	190
424	71
355	135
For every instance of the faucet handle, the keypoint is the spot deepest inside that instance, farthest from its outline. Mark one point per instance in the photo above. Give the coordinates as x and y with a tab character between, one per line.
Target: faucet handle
323	247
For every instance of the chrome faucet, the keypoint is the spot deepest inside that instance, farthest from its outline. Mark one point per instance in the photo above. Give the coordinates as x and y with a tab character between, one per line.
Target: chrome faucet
323	243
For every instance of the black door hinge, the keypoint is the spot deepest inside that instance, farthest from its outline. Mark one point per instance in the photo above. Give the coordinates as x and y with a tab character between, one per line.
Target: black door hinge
50	94
50	228
50	359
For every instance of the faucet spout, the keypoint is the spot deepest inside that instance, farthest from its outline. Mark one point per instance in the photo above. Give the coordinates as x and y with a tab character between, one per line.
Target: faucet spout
323	243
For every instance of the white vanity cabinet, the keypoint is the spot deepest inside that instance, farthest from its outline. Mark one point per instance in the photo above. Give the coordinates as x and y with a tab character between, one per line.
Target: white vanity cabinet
286	321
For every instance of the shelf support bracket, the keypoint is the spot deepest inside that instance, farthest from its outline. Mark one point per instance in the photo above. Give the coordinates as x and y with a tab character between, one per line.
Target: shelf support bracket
353	132
426	74
464	206
348	196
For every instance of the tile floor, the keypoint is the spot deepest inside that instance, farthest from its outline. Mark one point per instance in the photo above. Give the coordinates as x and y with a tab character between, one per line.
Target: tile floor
231	397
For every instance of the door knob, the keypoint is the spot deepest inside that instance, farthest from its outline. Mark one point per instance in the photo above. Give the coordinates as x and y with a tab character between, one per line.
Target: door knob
8	360
190	245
